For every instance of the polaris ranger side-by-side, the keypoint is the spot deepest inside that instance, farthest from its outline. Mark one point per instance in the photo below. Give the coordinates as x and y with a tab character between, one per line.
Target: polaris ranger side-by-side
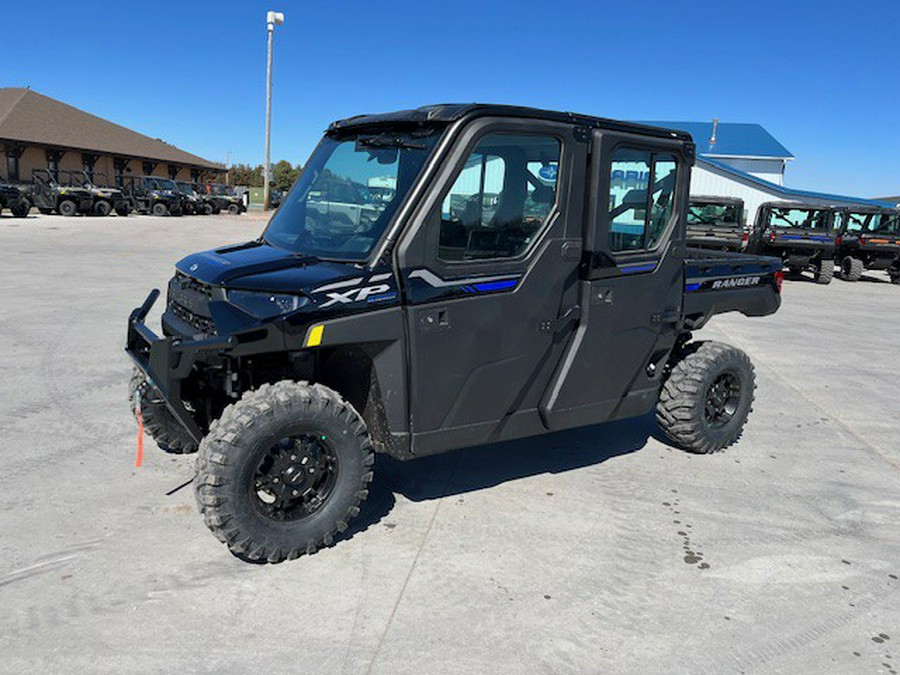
49	196
105	199
152	195
716	223
868	239
525	272
191	202
16	198
225	198
801	235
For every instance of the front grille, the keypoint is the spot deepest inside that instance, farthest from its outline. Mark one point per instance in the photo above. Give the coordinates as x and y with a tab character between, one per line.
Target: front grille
201	323
189	302
191	284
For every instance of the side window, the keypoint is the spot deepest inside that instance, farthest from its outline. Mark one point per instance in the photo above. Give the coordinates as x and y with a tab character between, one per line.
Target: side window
641	195
500	200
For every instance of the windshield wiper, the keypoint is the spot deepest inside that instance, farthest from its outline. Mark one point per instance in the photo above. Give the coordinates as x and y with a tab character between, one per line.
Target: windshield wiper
386	141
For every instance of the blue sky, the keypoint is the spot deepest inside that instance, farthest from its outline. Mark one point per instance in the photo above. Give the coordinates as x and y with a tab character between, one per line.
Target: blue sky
822	77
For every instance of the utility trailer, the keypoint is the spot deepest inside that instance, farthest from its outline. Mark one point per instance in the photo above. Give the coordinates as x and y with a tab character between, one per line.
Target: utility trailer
558	292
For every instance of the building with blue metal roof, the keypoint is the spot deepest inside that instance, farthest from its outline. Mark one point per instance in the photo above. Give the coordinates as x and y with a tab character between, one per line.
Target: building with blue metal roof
747	162
746	147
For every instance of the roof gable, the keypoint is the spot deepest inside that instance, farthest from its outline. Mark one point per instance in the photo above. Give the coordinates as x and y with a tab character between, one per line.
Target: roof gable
732	139
30	117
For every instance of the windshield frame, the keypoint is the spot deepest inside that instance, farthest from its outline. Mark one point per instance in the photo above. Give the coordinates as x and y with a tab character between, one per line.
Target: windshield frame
419	143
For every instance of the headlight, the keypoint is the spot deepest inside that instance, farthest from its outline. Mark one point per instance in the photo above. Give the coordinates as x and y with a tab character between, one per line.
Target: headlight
266	305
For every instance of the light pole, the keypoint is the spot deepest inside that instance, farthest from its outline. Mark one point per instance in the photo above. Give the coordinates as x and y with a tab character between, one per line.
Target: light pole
272	19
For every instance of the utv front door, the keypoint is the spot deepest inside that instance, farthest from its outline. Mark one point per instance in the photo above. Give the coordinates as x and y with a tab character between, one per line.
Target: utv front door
490	278
631	283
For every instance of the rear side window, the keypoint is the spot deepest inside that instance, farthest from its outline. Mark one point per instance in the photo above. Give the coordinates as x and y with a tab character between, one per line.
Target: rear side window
641	196
501	199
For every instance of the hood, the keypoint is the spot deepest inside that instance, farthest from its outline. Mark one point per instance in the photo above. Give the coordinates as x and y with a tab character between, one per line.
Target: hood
259	266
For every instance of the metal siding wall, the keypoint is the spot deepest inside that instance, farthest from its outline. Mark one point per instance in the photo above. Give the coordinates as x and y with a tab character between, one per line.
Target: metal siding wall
706	182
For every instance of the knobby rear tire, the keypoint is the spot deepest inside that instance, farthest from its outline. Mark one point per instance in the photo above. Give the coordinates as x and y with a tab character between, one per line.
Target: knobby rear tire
681	410
825	272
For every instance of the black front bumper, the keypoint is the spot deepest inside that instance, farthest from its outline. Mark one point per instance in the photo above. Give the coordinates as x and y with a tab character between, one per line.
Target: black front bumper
168	361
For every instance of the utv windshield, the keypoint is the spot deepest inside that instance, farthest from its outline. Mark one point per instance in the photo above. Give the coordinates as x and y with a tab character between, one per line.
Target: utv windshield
712	214
347	194
165	184
805	219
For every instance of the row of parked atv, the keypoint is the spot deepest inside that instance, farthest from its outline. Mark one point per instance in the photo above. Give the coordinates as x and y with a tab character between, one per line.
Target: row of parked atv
805	237
71	193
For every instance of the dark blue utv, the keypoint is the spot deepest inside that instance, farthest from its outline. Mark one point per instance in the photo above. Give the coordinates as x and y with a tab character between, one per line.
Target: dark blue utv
438	278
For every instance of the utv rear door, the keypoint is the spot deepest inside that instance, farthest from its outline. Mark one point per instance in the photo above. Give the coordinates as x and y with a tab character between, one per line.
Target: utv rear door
490	280
631	282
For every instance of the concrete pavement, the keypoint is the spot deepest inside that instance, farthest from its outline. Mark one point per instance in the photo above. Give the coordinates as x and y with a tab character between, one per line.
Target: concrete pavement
595	550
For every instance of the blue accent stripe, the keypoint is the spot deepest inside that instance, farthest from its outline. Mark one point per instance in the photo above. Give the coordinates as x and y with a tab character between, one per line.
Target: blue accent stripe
646	267
501	285
691	287
798	237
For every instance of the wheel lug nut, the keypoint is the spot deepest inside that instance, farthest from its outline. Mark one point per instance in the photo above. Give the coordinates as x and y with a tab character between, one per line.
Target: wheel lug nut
294	493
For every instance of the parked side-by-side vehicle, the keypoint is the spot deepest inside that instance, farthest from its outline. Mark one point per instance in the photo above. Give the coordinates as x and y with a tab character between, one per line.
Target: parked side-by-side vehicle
801	235
104	199
16	198
152	194
716	223
51	196
868	238
526	272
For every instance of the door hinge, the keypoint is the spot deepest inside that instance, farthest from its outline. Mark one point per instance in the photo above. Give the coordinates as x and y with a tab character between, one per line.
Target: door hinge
582	134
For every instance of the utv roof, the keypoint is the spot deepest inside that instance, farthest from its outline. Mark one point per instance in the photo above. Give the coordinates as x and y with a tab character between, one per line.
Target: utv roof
715	199
806	206
450	112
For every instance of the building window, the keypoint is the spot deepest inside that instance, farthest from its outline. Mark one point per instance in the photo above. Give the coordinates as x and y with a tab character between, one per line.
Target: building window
173	171
195	175
148	168
12	166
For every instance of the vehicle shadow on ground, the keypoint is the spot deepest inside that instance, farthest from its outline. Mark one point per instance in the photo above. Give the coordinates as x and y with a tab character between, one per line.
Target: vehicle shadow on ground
482	467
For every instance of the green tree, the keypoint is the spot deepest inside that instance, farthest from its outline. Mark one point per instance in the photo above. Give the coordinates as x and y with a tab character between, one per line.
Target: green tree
244	174
284	175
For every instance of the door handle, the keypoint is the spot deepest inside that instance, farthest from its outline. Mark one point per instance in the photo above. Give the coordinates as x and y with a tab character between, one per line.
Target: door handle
434	319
